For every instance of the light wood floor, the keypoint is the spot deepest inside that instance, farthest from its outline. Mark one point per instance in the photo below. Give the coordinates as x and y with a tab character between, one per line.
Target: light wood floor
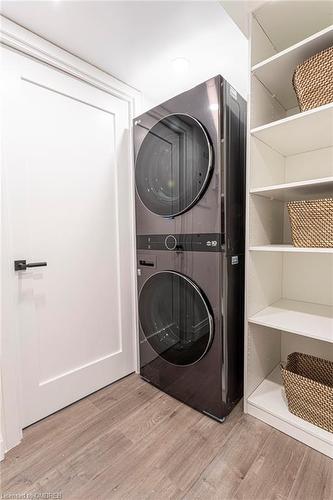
131	441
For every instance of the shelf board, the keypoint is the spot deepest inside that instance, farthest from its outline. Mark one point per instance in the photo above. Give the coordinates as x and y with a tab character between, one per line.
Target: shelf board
302	318
299	133
276	72
289	248
301	190
268	403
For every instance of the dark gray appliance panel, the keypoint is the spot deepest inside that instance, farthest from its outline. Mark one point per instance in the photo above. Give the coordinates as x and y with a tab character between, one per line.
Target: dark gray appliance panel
203	104
234	169
198	384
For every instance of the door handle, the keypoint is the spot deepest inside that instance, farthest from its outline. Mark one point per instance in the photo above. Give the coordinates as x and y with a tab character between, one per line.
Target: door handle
146	263
21	265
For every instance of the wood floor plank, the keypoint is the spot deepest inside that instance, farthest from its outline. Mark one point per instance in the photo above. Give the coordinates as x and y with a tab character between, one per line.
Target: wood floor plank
124	474
131	441
196	448
137	425
43	433
105	398
154	485
227	470
72	473
314	479
66	443
273	472
175	448
90	461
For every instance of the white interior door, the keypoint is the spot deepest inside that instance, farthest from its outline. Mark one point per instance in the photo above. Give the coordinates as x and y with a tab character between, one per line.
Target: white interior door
67	178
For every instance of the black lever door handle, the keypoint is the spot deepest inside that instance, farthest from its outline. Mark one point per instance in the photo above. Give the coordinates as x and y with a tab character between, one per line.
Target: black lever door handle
21	265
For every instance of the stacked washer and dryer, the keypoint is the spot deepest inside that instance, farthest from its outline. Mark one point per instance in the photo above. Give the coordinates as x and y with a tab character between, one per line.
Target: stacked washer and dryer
190	223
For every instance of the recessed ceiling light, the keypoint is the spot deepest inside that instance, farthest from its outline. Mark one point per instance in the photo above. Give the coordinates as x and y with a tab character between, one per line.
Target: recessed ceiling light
180	65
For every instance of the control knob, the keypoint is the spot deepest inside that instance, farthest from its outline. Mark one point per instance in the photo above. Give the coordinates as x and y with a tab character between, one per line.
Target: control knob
170	242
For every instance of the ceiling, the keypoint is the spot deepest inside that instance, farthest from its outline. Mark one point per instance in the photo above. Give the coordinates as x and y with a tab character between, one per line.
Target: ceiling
137	41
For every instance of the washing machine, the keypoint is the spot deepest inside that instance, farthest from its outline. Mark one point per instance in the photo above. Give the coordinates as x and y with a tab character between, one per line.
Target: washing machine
190	305
190	219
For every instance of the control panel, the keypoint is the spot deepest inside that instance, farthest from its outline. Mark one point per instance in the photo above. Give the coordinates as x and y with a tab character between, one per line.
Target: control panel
209	242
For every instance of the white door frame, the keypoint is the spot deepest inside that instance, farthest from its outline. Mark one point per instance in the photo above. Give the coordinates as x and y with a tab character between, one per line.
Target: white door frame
28	44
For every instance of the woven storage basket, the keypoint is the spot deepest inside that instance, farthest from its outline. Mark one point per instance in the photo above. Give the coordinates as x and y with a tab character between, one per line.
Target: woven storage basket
311	222
313	80
308	382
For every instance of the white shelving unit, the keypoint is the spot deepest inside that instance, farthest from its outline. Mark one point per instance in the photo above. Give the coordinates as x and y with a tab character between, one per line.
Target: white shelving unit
300	190
289	303
289	249
302	318
285	63
299	133
268	403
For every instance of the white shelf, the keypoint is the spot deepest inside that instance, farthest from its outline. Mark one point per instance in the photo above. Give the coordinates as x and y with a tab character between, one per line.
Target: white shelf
268	403
302	318
289	248
299	133
301	190
276	72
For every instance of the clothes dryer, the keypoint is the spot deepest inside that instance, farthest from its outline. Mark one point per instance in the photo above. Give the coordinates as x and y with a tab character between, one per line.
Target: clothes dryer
190	165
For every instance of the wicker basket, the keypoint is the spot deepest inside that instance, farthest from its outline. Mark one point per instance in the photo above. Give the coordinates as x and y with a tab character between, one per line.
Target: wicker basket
313	80
311	222
308	382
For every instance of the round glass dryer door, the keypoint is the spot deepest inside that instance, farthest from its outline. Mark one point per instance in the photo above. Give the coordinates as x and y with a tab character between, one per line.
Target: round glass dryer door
173	165
175	318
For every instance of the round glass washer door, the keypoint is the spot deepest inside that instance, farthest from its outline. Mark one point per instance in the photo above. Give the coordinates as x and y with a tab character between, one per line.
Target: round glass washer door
173	165
175	318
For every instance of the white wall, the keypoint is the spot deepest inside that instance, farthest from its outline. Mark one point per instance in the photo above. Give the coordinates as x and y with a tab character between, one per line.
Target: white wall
216	47
137	41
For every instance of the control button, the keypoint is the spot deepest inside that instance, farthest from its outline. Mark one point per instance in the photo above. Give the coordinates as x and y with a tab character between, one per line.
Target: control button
170	242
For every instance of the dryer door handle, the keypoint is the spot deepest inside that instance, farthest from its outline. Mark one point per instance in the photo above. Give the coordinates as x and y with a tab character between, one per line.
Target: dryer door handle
147	263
